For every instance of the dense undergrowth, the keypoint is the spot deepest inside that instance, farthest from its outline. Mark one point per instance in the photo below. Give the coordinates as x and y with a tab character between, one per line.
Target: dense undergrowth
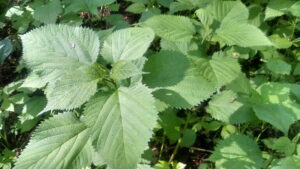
162	84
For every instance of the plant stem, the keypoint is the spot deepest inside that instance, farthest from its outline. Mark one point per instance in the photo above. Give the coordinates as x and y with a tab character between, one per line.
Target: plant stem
262	130
162	147
201	149
180	139
175	150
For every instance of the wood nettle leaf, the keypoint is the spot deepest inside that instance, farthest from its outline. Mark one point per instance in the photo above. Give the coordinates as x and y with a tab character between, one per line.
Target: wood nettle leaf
276	8
177	82
59	142
166	68
237	152
127	44
244	35
124	69
54	50
49	12
225	10
172	28
231	26
279	105
225	107
122	123
74	89
87	5
219	70
64	56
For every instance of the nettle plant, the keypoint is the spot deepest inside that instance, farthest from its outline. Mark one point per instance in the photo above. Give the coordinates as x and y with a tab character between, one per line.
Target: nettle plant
108	94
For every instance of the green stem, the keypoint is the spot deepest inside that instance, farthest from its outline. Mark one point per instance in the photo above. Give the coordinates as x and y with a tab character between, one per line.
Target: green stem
162	147
262	130
179	140
175	150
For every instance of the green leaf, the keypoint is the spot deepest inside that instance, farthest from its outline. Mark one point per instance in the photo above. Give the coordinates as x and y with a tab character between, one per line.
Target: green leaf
49	12
291	162
278	105
148	13
182	5
279	116
240	85
54	50
225	107
162	165
227	10
232	25
171	123
297	69
244	35
279	66
172	28
60	142
276	8
124	69
139	1
87	5
144	166
127	44
282	144
136	8
34	80
219	70
33	106
122	124
281	43
74	89
165	3
188	138
237	152
183	47
165	68
139	63
295	8
183	86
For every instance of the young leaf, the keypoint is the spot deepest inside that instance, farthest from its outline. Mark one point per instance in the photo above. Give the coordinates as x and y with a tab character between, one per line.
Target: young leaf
127	44
60	142
54	50
172	28
171	123
237	152
124	69
74	89
122	124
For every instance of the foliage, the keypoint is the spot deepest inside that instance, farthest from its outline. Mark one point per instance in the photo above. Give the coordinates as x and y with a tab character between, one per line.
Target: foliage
141	84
